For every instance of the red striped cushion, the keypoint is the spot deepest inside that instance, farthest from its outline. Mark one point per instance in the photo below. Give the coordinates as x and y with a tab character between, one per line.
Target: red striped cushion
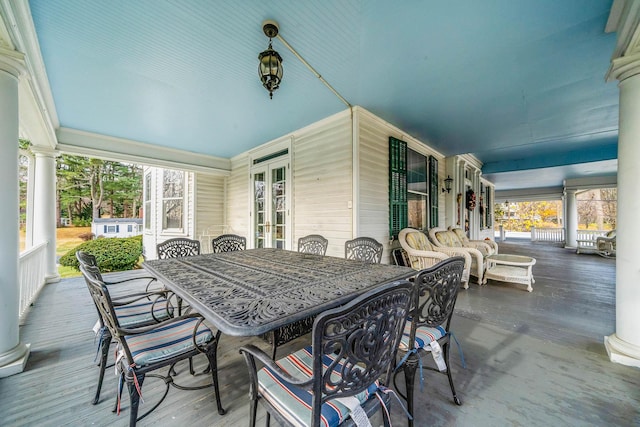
166	342
424	336
295	404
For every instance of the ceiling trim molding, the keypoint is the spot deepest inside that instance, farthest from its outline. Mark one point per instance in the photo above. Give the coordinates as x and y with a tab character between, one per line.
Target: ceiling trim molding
591	182
34	87
529	194
73	141
624	19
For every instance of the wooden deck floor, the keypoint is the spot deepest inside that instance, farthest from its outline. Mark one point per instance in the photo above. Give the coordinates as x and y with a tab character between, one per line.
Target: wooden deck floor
532	359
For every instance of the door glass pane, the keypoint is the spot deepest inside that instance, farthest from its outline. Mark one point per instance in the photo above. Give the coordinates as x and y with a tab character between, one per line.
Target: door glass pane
278	213
259	217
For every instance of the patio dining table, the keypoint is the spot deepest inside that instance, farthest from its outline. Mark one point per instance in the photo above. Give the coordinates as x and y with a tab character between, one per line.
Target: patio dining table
252	292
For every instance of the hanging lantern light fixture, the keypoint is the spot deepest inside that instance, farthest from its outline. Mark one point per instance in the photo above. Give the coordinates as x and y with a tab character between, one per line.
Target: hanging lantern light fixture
270	68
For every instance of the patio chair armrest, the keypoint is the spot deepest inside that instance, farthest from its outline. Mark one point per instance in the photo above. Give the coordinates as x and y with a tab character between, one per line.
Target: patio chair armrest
137	296
251	353
117	282
144	329
483	247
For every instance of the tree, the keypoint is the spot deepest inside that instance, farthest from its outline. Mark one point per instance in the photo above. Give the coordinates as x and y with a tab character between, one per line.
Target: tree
95	184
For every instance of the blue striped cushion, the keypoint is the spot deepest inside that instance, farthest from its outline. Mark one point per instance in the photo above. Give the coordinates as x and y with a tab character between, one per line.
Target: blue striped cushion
295	404
167	341
424	336
139	313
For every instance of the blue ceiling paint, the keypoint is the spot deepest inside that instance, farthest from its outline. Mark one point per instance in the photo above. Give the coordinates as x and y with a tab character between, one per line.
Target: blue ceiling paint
505	80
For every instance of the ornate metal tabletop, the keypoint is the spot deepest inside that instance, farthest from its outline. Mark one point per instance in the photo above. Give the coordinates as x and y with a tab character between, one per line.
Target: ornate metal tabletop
246	293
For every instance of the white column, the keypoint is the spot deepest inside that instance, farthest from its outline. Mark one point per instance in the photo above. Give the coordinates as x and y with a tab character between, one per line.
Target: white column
624	345
571	219
13	353
44	210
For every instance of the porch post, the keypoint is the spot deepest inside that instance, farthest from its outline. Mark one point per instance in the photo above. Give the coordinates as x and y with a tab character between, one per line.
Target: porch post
624	345
571	223
44	211
13	353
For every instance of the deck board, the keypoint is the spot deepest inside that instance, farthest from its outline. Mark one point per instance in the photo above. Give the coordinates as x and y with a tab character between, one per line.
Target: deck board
532	359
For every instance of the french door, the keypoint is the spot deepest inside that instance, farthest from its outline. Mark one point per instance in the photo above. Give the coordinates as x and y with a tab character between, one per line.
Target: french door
271	194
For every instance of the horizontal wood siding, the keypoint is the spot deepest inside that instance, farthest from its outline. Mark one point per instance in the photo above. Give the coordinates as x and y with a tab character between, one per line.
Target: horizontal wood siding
238	208
210	208
373	175
322	175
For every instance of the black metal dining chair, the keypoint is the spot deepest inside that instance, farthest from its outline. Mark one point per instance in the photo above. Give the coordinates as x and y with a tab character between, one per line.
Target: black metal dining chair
134	307
144	350
364	249
429	329
228	243
313	244
353	346
177	248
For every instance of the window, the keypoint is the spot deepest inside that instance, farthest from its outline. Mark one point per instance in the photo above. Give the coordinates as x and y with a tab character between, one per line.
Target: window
417	191
147	201
129	228
412	178
111	228
172	199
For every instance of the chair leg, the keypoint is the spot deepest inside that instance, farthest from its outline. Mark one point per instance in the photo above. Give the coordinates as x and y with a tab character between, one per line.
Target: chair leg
446	359
134	397
410	367
119	393
213	364
106	342
253	409
274	344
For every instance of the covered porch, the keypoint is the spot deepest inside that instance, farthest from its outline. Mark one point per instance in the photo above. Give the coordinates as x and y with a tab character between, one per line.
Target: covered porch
531	358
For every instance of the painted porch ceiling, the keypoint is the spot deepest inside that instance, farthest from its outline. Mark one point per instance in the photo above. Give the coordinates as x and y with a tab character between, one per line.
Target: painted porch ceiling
518	83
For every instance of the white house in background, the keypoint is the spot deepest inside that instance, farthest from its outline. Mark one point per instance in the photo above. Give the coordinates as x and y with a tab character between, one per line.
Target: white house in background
329	178
116	227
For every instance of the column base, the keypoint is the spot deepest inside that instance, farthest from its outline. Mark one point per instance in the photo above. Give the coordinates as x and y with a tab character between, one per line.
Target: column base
622	352
51	278
14	361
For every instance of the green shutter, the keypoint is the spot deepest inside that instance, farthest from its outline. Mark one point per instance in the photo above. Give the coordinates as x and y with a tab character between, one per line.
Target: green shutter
433	192
397	186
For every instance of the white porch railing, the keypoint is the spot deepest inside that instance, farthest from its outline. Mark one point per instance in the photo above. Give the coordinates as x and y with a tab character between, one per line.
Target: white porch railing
554	235
586	240
31	271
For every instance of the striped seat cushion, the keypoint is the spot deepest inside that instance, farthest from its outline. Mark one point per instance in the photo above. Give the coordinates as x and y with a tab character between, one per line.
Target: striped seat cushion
167	341
139	313
295	404
424	336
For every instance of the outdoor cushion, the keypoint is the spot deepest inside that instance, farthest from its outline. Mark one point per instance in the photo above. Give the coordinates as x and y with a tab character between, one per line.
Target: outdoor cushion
424	336
418	240
139	313
295	403
168	341
448	238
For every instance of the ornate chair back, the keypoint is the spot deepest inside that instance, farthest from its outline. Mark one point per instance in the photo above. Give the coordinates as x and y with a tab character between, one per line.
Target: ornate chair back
178	248
313	244
353	346
228	243
364	249
435	294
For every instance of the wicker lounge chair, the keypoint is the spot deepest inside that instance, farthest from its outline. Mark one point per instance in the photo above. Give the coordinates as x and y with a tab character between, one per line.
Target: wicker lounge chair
443	238
422	254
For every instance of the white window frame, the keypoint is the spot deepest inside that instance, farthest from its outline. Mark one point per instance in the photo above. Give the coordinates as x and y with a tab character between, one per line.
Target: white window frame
181	198
147	223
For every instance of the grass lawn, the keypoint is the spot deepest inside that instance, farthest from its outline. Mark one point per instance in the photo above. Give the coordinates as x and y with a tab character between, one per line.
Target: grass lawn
67	238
